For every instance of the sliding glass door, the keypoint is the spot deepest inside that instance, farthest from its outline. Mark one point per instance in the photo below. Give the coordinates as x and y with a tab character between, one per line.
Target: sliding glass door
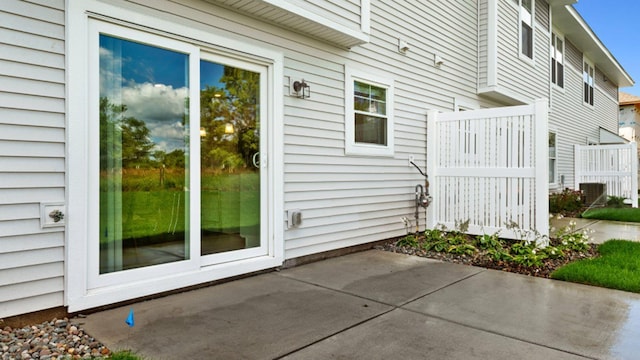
176	191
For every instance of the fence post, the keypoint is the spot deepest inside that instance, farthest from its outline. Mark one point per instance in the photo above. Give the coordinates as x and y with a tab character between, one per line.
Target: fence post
577	165
432	116
541	121
634	175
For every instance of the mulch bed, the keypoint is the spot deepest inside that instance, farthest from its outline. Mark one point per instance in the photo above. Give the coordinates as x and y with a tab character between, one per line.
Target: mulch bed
482	260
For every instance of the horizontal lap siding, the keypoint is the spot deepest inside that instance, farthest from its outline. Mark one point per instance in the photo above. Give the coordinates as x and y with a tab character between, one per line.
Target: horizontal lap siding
348	200
529	80
568	109
32	153
345	12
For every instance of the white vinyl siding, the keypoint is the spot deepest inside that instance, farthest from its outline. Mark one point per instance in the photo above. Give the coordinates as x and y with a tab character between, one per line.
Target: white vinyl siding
511	77
574	122
32	154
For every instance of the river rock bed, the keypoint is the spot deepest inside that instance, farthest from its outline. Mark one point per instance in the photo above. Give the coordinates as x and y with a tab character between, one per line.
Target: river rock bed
51	340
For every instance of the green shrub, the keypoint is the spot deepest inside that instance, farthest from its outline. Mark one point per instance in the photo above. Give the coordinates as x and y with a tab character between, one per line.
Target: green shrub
566	201
408	241
616	201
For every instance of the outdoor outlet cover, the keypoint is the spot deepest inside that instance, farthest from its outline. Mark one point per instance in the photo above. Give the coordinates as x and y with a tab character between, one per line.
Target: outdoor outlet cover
294	218
52	214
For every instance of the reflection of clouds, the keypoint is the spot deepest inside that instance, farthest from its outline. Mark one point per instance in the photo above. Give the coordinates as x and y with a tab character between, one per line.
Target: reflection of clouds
160	106
168	137
155	103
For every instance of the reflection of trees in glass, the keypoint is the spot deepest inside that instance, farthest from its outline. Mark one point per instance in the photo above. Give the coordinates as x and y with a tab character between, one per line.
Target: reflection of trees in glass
129	140
233	108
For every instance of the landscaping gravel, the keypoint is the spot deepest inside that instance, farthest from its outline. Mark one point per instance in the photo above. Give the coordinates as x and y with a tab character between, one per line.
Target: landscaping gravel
52	340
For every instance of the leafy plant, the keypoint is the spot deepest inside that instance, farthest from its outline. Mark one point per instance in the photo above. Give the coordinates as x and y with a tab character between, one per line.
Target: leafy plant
408	241
499	254
566	201
616	201
527	254
488	242
462	249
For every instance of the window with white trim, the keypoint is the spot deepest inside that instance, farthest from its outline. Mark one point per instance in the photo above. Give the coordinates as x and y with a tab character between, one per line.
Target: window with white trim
557	60
526	27
588	75
369	115
553	154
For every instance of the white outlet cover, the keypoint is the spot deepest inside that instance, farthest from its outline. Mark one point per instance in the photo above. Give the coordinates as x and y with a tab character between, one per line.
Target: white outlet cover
47	208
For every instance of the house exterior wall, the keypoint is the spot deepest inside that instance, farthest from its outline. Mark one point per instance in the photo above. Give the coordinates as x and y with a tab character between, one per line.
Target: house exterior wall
505	74
32	153
569	109
345	199
629	123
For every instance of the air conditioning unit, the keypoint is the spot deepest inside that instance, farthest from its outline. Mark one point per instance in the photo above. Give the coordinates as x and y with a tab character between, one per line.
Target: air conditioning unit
594	193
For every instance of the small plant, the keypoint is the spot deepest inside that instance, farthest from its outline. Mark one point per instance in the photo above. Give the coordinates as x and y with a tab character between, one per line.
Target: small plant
571	240
489	242
566	201
408	241
616	201
527	254
499	254
462	249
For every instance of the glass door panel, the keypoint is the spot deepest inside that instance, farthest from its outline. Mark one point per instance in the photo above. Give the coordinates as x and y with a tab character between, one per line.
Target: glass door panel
229	158
144	201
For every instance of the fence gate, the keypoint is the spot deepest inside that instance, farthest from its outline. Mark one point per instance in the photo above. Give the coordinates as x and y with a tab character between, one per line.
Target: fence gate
613	165
490	167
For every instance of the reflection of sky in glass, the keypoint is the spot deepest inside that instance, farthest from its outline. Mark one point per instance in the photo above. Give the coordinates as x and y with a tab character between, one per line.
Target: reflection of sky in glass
210	74
152	82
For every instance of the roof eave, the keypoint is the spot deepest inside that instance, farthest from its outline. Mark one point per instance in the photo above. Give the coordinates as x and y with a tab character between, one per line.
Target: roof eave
571	24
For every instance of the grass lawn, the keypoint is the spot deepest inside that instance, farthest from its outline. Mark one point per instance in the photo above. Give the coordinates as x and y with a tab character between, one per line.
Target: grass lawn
615	214
618	267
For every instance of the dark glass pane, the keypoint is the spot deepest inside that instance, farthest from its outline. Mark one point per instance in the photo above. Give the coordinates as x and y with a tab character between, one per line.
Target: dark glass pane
527	40
370	130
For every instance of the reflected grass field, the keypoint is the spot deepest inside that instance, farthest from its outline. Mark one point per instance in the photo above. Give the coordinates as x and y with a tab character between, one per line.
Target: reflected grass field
229	202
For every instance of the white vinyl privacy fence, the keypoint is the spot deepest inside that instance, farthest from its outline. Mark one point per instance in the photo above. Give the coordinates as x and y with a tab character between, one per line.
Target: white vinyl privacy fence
490	167
616	166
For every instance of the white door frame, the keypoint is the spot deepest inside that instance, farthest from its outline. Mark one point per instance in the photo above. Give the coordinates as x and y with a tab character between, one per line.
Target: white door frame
81	291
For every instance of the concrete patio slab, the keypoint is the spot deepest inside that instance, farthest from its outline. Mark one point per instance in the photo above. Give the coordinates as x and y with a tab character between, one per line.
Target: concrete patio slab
261	317
403	334
386	277
589	321
334	309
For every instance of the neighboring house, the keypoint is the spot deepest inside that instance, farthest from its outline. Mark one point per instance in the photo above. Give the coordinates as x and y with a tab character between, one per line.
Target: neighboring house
152	145
629	123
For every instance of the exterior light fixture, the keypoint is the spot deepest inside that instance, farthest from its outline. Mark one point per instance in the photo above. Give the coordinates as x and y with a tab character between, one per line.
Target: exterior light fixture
302	89
228	128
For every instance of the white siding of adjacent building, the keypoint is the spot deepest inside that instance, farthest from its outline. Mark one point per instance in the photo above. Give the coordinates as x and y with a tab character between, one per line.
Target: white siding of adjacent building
576	122
32	153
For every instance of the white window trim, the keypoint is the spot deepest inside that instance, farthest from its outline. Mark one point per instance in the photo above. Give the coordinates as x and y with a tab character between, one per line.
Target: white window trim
560	36
554	183
593	87
460	104
521	55
78	294
351	146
